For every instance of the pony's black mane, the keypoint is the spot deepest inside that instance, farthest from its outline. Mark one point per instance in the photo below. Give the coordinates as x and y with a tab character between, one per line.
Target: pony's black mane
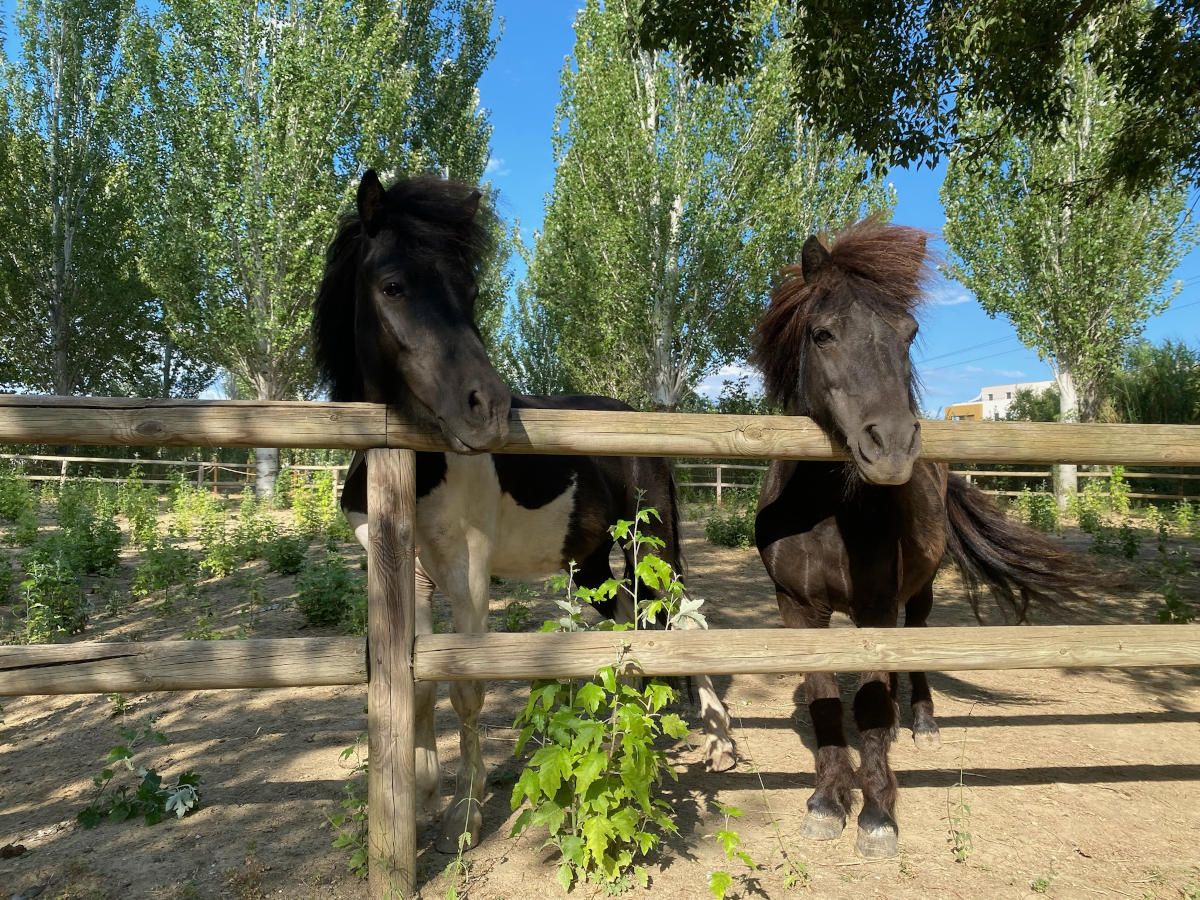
892	258
431	217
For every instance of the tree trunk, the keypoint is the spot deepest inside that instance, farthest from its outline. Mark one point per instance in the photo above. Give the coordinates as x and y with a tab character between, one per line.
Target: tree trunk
266	469
1066	481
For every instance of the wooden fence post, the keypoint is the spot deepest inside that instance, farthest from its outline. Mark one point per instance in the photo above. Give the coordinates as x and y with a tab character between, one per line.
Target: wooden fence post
391	614
718	484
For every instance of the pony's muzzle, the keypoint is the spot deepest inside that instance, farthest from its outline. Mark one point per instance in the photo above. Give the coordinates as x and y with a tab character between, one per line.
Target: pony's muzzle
886	451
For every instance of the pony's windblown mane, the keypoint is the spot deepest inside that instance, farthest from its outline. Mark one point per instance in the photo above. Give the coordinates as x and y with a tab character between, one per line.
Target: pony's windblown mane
891	257
431	216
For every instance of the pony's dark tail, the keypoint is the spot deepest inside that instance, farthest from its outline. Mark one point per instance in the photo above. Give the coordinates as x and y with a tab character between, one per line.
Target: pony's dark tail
1020	565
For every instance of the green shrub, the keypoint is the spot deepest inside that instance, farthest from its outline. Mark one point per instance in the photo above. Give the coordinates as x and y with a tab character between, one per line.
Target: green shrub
54	601
7	578
1088	506
1185	517
16	499
162	566
592	780
138	502
194	510
253	528
1129	541
327	589
285	554
1118	491
1038	511
732	528
24	532
314	507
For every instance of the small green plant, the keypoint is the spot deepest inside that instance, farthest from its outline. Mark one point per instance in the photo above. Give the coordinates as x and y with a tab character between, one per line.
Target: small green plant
1172	568
327	589
731	528
120	705
194	510
202	630
138	502
1185	517
7	578
1129	540
350	824
313	505
54	601
16	498
163	565
1088	506
1118	491
221	556
591	781
1040	885
1038	510
24	531
958	811
285	554
147	797
720	881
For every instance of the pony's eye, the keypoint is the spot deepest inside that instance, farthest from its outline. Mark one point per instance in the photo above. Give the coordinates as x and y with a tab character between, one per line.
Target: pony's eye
822	337
393	289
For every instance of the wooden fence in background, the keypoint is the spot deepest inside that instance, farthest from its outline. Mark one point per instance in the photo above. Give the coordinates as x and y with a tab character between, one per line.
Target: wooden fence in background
740	483
396	657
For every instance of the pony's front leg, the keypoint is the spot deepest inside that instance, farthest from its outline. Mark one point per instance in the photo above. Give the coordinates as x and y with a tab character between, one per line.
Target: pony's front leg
875	716
464	815
428	774
719	752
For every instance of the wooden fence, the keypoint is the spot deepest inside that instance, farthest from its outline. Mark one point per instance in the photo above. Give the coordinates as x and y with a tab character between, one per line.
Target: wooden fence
721	483
208	472
396	657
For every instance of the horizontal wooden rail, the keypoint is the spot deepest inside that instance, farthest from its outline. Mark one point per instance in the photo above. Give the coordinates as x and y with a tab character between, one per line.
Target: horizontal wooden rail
91	667
245	423
190	463
457	657
85	668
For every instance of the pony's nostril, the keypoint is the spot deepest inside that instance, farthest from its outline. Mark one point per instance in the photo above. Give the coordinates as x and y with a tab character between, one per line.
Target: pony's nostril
475	402
875	436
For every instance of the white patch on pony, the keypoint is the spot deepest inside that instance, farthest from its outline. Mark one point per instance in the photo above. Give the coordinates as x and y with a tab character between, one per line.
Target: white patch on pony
358	524
469	506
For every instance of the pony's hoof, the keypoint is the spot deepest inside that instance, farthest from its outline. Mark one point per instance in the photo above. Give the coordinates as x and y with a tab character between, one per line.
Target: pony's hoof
459	832
882	843
927	738
720	756
878	836
819	827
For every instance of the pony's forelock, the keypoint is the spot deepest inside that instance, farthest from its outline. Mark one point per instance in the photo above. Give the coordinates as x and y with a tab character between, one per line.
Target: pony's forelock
893	258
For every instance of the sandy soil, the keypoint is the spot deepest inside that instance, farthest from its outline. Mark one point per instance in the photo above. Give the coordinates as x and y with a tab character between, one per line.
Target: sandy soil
1067	784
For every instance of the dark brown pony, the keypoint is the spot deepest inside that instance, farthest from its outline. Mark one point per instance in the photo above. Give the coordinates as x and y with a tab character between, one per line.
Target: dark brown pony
866	537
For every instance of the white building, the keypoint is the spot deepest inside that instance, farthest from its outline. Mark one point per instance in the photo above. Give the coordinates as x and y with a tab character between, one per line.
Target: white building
993	401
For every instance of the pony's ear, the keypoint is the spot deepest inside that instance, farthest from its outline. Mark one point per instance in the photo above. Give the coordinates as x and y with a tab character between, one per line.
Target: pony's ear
813	257
471	204
370	203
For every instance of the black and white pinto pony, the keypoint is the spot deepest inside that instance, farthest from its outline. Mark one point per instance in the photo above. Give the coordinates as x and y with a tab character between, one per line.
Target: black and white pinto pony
394	323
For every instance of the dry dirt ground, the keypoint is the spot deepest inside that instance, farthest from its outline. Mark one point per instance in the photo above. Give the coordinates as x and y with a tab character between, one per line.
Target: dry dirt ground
1067	784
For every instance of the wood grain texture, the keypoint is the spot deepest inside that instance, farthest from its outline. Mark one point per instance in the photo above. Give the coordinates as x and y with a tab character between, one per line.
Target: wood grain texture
446	657
93	667
391	625
190	423
229	423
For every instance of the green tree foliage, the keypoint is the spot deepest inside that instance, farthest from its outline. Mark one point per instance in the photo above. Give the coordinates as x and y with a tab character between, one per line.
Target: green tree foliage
1034	406
898	78
74	315
674	202
1159	383
258	119
1077	271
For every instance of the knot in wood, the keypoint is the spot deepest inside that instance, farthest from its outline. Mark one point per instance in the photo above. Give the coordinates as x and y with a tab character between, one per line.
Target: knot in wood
150	428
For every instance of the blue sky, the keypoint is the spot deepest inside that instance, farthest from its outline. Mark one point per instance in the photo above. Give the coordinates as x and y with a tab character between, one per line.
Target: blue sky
960	349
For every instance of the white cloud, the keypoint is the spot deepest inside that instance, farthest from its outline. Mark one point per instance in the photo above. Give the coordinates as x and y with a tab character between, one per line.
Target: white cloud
496	166
711	386
948	293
